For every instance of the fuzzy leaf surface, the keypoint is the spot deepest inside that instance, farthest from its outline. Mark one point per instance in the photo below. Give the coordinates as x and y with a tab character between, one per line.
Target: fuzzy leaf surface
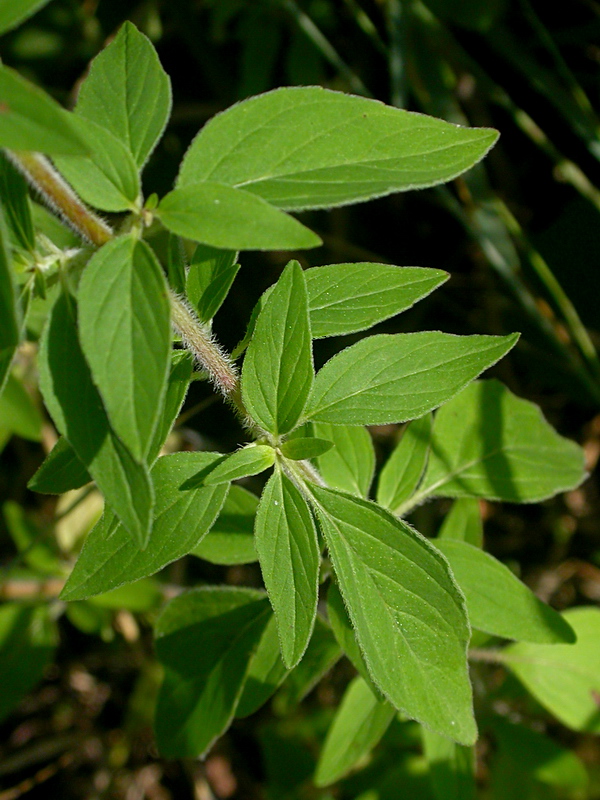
305	447
489	443
202	685
345	298
182	517
277	375
250	460
128	92
394	378
310	147
77	410
125	332
406	609
224	217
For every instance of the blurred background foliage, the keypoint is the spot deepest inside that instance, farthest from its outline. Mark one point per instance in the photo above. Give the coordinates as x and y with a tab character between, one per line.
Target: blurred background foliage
520	236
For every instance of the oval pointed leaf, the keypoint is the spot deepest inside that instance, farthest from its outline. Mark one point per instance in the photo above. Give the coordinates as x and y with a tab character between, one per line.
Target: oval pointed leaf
402	472
497	602
345	298
221	216
359	723
128	92
305	447
125	331
516	455
277	376
314	148
289	556
204	639
406	609
78	413
182	517
251	460
61	471
231	538
31	120
350	464
394	378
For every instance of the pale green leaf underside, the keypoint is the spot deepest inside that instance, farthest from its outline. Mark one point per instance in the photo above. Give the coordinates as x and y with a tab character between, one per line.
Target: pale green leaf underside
250	460
125	333
288	552
407	612
221	216
231	538
497	602
313	148
202	684
108	178
277	376
31	120
345	298
359	723
463	522
404	469
394	378
76	408
350	464
489	443
565	678
128	92
13	12
182	518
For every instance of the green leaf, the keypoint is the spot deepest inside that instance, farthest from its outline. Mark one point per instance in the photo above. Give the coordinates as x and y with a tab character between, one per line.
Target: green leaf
265	673
9	329
202	684
231	539
350	465
538	756
13	12
289	556
125	331
402	472
34	548
314	148
77	410
18	413
516	455
250	460
17	208
564	678
176	263
497	602
221	216
107	178
180	375
451	767
28	638
31	120
128	92
277	376
406	609
305	447
359	723
394	378
61	471
344	298
182	518
209	279
463	522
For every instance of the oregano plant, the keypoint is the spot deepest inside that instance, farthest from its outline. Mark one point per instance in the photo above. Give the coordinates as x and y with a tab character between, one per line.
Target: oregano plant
128	325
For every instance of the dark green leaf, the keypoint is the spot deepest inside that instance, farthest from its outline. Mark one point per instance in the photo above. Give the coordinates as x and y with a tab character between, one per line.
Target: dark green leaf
17	209
182	365
305	447
489	443
176	263
404	469
61	471
314	148
250	460
34	547
31	120
451	767
265	673
231	538
181	519
128	92
18	413
350	465
204	640
394	378
221	216
9	329
78	413
278	371
289	556
13	12
406	609
463	522
209	279
124	326
344	298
